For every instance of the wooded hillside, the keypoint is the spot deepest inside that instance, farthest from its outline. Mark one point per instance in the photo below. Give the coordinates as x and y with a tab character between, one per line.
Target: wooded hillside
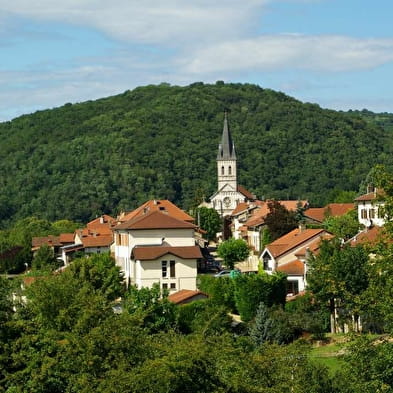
102	156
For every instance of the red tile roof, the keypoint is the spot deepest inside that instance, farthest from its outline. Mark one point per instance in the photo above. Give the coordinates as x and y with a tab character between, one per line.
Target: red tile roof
97	241
153	252
293	268
103	220
66	238
315	213
246	193
258	216
49	240
155	220
185	295
371	196
293	239
332	210
314	246
162	205
370	237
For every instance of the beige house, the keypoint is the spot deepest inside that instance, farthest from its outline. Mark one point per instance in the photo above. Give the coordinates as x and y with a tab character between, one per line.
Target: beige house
288	254
155	247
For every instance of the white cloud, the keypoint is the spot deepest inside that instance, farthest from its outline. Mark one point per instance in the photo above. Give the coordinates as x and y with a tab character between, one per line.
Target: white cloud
271	53
148	21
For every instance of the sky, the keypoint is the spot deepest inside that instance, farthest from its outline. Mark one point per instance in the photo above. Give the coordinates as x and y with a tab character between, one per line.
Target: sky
336	53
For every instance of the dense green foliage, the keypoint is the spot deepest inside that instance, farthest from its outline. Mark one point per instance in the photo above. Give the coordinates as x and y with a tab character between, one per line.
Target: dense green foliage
345	226
209	220
66	338
338	276
243	293
280	220
232	251
15	243
102	156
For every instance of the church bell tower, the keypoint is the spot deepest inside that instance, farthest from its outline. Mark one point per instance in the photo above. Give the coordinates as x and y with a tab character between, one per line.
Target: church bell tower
226	159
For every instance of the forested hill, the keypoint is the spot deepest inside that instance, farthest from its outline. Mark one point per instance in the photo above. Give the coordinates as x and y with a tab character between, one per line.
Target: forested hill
101	156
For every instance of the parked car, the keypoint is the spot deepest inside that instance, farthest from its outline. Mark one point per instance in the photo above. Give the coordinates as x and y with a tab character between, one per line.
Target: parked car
227	272
223	273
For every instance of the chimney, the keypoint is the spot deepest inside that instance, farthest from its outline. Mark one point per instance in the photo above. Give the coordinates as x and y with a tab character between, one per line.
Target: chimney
102	220
302	227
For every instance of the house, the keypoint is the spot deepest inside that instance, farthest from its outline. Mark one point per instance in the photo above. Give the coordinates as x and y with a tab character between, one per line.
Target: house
185	296
248	220
162	205
95	238
54	242
229	194
316	215
156	247
289	253
369	208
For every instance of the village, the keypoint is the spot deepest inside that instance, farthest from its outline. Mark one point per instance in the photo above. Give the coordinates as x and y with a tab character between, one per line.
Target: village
159	243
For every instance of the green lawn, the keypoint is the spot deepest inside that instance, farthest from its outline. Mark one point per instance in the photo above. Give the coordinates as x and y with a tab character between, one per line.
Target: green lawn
330	354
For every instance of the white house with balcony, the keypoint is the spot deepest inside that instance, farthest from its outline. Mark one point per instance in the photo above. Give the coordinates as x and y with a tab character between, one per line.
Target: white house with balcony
156	247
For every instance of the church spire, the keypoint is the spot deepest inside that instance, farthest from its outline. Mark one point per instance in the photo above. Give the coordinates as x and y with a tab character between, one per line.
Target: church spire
226	149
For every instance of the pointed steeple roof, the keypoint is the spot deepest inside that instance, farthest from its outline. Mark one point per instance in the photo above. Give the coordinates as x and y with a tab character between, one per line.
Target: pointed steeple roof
226	149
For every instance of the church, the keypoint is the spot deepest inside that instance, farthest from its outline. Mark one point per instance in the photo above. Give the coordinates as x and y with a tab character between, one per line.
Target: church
229	194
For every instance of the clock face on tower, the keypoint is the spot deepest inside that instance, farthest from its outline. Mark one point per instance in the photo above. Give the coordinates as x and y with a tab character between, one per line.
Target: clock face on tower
227	201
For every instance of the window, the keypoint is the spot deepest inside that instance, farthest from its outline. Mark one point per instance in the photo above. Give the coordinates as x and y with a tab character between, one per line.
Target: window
118	239
372	213
292	287
164	269
173	285
165	286
229	170
266	260
172	270
222	170
363	213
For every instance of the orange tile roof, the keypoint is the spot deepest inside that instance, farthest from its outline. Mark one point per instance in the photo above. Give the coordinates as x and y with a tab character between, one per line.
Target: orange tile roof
293	239
93	231
97	241
162	205
315	213
66	238
369	237
314	246
293	268
246	193
339	209
153	252
258	216
104	220
155	220
49	240
332	210
184	295
371	196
